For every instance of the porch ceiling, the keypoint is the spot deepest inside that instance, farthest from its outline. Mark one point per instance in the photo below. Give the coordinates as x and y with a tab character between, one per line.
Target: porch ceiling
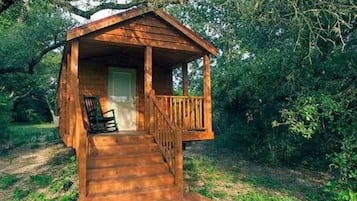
114	53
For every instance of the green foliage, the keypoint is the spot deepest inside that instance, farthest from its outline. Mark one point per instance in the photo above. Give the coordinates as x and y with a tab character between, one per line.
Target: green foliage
307	112
5	114
41	180
28	110
19	194
7	180
284	84
26	134
35	96
28	29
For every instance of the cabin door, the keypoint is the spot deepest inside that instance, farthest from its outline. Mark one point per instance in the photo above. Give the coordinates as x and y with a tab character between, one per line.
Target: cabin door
121	93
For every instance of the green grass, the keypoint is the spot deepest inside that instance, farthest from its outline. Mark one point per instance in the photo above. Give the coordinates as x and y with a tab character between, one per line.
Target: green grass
41	180
226	176
57	185
261	196
19	194
7	180
203	176
43	187
32	133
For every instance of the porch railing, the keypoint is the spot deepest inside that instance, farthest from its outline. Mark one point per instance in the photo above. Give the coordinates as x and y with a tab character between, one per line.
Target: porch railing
184	111
168	137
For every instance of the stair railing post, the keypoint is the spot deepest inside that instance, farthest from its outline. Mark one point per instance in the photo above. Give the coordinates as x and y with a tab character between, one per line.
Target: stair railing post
179	162
151	112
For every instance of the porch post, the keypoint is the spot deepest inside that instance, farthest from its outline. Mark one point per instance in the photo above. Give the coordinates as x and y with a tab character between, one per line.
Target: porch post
73	78
147	83
207	93
184	80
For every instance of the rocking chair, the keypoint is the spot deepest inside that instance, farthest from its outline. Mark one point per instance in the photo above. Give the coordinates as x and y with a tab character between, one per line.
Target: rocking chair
99	121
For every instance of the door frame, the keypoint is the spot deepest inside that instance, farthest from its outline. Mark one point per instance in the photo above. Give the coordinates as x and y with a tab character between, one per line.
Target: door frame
133	71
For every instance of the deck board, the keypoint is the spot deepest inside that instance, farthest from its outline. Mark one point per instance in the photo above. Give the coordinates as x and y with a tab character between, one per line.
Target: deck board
194	197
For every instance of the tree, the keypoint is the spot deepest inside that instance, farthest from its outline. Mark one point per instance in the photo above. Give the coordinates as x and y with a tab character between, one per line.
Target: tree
28	32
285	67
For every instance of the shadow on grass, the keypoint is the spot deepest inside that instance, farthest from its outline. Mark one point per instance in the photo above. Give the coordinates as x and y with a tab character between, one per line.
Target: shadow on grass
207	166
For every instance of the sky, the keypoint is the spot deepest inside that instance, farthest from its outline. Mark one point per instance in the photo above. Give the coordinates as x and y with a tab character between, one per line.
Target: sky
85	4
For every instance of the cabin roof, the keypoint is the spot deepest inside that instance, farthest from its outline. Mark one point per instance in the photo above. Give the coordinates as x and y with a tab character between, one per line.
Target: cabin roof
132	13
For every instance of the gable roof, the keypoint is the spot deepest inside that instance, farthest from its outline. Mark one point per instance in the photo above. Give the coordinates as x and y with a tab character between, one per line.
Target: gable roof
132	13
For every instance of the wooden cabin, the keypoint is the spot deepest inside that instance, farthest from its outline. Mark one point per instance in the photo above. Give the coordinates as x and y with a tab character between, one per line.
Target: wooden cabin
128	60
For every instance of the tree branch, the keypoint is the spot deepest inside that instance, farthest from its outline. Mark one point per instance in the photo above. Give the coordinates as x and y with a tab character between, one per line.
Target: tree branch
35	60
86	14
115	6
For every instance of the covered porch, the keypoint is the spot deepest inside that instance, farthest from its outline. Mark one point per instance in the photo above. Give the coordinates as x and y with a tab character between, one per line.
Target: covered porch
143	52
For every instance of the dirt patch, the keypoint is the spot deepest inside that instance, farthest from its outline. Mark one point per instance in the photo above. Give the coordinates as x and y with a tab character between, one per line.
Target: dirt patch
26	161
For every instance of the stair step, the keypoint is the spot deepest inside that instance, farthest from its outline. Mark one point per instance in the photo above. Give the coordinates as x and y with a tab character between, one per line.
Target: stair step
129	183
106	140
149	194
123	149
127	171
129	160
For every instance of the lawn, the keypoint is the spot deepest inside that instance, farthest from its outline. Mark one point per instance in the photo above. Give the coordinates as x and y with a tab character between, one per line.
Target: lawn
36	166
226	176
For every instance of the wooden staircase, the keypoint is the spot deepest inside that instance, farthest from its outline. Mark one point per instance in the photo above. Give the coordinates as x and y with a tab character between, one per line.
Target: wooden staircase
128	168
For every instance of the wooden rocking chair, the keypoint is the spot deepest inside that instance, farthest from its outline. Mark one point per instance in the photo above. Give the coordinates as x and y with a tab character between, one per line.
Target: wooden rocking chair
99	121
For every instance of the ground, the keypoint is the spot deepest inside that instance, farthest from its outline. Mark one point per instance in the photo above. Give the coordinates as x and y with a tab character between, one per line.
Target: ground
44	169
226	176
37	167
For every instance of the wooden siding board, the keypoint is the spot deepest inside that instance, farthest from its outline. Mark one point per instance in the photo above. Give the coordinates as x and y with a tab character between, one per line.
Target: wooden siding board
137	14
146	31
144	42
149	36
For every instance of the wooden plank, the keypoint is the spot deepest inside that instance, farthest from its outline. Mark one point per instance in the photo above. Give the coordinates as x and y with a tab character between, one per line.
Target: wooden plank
179	163
207	93
79	133
147	82
197	135
74	89
131	14
70	106
144	42
142	27
148	36
62	101
151	20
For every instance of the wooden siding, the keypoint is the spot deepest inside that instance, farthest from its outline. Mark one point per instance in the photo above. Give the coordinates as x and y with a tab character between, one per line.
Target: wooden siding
145	31
93	80
162	81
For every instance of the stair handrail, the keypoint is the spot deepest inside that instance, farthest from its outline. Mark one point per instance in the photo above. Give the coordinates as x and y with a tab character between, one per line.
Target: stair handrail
168	137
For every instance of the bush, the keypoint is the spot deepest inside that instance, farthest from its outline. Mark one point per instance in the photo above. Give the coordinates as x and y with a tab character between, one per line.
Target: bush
5	114
27	110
